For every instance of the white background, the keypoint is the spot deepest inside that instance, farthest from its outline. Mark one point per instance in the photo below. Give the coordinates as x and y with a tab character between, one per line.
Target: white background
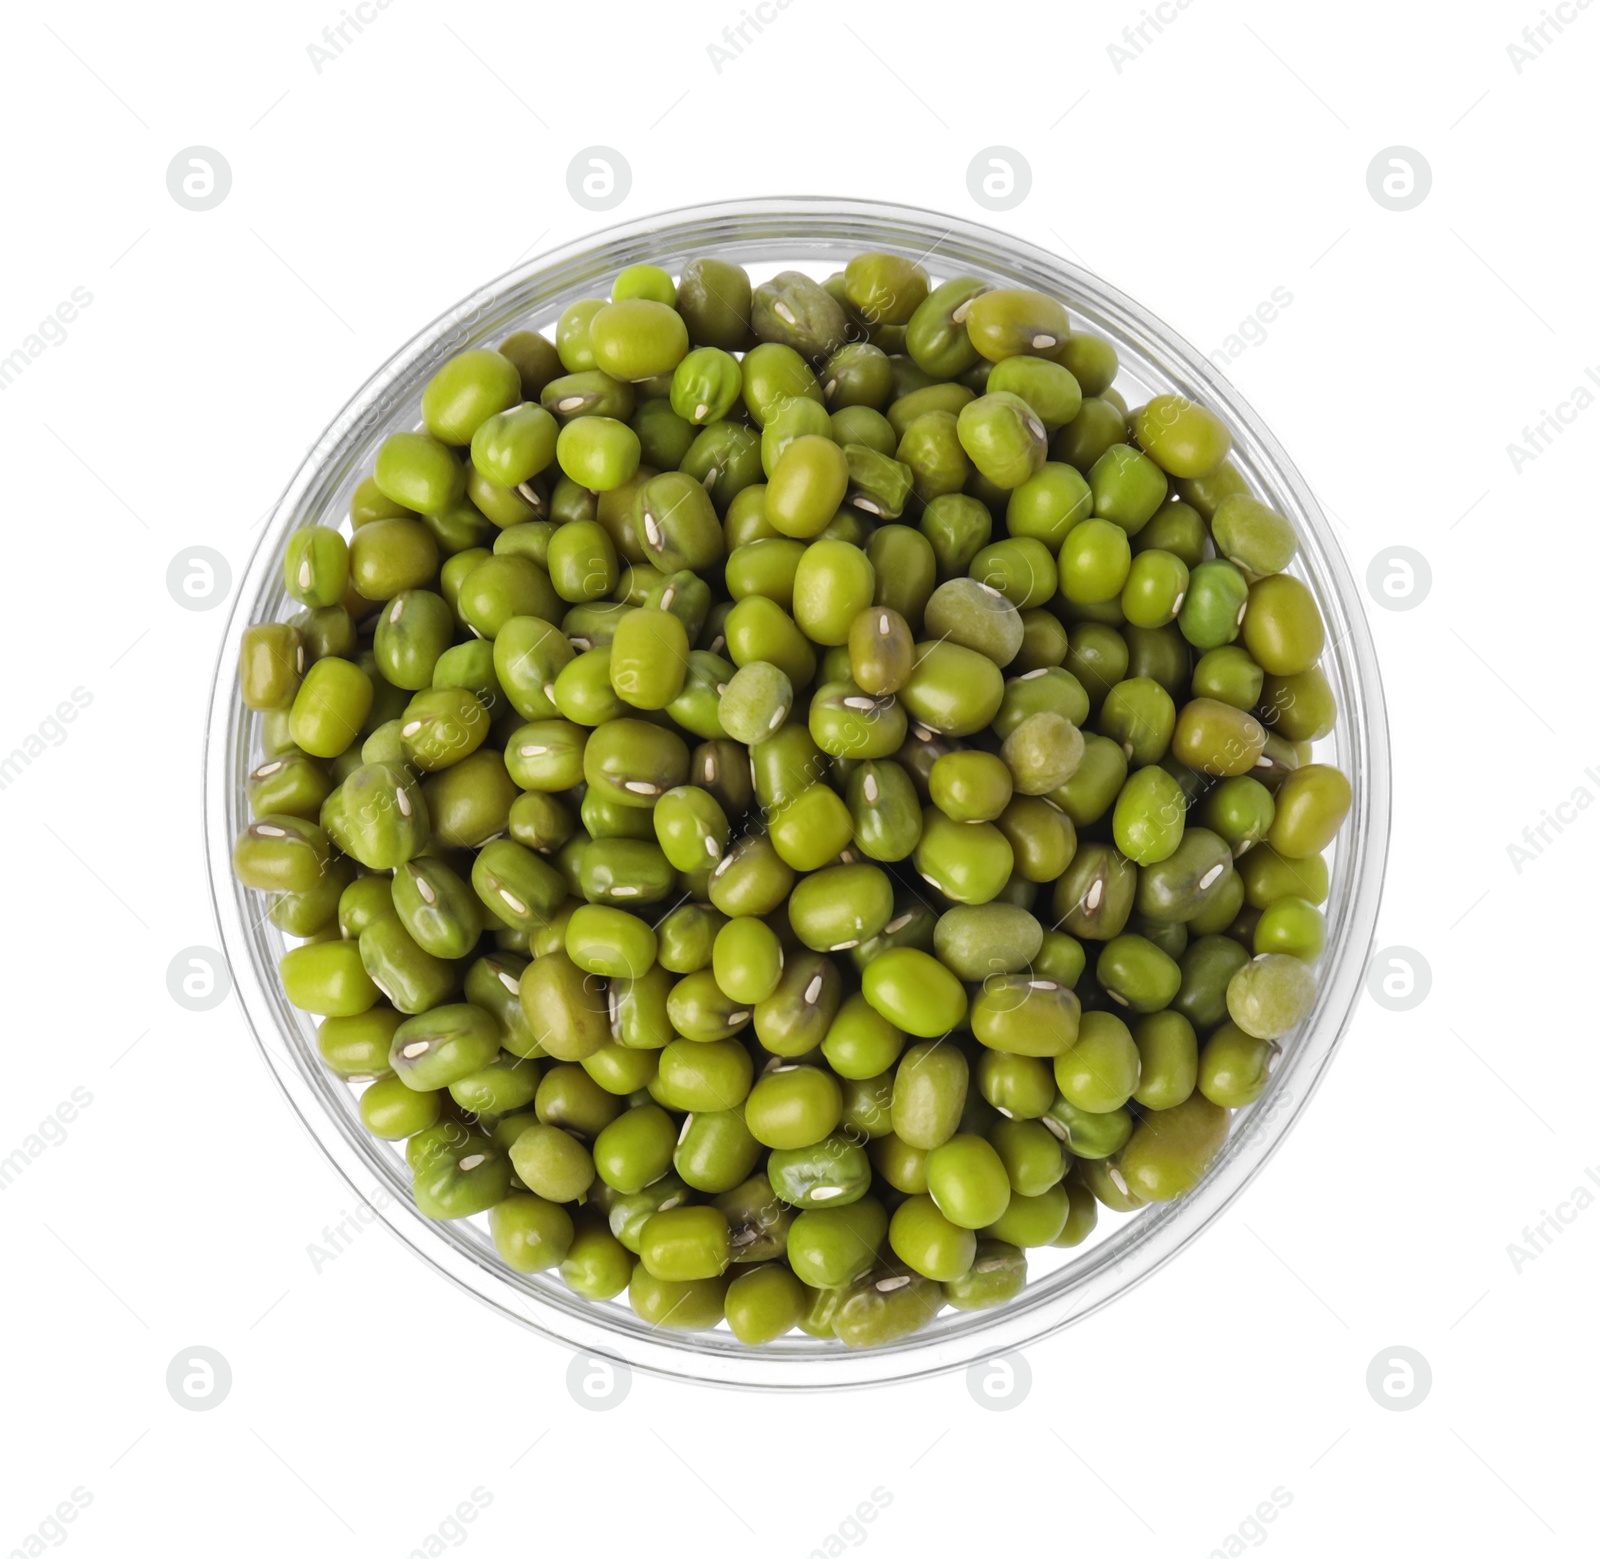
1225	160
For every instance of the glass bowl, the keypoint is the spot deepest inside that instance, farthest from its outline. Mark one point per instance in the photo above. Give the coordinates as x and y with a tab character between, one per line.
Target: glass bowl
818	235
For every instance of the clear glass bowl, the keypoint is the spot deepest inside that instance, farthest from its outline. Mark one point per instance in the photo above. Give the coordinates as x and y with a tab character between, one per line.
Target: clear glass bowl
817	235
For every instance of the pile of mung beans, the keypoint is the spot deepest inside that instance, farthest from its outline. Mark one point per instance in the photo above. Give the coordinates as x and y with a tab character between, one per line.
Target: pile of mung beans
789	796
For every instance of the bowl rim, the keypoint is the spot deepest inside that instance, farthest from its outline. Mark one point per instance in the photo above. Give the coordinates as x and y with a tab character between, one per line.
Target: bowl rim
1141	1245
